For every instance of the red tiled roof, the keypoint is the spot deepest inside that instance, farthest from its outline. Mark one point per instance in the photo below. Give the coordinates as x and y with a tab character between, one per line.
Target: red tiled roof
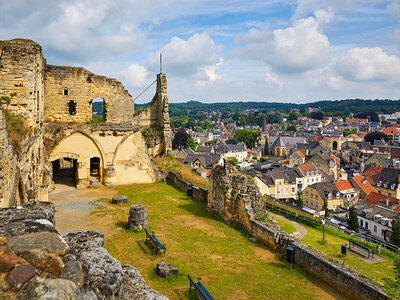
364	184
387	129
354	135
301	154
318	138
308	167
374	197
372	170
343	185
337	160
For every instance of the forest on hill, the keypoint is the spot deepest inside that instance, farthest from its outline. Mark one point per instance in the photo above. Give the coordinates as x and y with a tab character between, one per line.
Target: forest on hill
341	107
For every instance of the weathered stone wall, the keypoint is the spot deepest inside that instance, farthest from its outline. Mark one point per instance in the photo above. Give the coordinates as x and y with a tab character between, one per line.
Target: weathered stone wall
199	193
229	197
82	87
21	72
38	263
156	119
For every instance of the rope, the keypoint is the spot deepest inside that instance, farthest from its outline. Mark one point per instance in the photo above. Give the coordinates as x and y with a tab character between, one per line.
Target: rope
145	90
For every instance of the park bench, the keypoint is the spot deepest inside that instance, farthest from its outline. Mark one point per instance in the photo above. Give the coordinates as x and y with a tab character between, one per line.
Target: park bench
360	247
157	244
200	289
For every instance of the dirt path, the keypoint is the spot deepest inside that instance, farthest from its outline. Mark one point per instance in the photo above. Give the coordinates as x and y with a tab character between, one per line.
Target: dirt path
73	209
300	232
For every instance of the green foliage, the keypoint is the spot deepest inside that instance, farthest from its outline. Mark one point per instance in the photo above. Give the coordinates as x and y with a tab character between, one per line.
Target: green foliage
266	148
234	161
348	131
352	220
191	144
199	129
6	99
180	139
325	208
264	159
376	135
396	232
210	143
293	116
291	127
392	286
247	136
299	200
96	119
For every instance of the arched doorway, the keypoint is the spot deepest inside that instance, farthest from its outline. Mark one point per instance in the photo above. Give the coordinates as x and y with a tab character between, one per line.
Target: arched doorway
95	169
65	171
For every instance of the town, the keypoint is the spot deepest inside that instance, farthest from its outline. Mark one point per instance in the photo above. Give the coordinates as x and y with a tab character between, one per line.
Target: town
324	166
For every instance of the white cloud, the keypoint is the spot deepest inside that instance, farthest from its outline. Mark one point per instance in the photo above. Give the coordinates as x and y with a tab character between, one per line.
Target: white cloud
136	76
394	9
369	64
194	57
294	49
273	79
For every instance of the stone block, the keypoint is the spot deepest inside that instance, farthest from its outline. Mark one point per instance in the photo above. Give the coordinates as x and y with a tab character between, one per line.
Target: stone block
42	260
120	199
164	269
73	271
8	259
138	217
19	275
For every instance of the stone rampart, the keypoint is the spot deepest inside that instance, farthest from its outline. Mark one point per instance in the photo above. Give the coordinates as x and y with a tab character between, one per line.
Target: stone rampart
233	197
199	193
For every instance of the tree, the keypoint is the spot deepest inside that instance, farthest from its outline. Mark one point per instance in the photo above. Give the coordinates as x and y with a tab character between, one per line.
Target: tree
292	116
277	118
375	135
247	136
180	139
373	116
352	221
190	144
396	232
266	148
234	161
317	115
299	200
291	127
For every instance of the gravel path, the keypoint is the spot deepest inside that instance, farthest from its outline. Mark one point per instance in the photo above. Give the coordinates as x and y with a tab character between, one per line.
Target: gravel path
300	232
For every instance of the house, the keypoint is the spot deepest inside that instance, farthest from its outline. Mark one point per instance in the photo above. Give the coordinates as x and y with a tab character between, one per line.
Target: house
349	193
388	182
371	174
326	162
314	196
378	160
282	145
280	183
393	134
309	175
204	149
297	158
360	183
203	161
333	141
226	150
182	154
376	219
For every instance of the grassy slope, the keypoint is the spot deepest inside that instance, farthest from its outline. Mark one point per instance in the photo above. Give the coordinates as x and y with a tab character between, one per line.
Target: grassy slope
375	271
231	266
285	226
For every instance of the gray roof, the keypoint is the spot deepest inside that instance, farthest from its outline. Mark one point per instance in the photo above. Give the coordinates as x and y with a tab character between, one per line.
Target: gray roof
207	160
289	175
286	141
369	211
325	188
204	149
388	178
223	148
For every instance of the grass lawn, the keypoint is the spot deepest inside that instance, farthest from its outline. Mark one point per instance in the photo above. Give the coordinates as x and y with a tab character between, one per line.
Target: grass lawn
230	265
285	226
374	271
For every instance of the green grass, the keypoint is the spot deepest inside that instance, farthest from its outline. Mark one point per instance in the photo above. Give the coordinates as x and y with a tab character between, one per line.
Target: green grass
230	265
285	226
375	271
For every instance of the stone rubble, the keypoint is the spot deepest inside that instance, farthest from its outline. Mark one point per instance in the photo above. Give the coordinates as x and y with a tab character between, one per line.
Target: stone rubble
38	263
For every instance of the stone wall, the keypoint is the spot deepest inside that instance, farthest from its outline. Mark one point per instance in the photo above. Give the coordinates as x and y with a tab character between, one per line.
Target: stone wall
21	65
199	193
38	263
65	84
232	195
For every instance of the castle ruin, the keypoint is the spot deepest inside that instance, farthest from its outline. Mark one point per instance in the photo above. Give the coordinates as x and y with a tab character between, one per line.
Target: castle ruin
62	138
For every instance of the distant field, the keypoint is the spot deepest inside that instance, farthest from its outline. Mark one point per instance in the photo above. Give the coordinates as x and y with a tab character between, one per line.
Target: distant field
230	265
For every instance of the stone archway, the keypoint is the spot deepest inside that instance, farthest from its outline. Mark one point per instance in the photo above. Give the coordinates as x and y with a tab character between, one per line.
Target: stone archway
79	149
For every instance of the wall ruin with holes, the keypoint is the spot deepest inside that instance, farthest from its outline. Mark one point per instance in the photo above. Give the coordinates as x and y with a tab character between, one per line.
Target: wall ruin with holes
124	143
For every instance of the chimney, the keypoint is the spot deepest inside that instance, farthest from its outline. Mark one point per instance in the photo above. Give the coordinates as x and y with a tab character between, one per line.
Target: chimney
387	203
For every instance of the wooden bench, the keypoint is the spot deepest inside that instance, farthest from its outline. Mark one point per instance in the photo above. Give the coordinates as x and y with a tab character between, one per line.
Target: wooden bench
200	289
362	248
157	244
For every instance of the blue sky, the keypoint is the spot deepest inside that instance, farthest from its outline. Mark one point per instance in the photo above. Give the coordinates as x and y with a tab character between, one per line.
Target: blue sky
269	50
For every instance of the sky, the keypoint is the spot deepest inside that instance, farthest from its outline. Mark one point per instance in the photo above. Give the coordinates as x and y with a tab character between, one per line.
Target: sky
218	51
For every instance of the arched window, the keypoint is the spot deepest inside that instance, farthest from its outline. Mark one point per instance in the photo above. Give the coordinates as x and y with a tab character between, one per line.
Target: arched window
66	91
334	145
